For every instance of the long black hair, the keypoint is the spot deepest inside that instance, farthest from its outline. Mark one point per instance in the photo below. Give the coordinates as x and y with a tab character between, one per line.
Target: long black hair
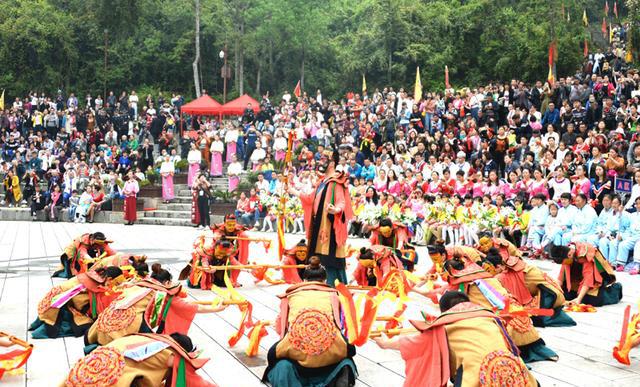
493	257
184	341
110	272
451	299
314	270
159	274
454	263
558	253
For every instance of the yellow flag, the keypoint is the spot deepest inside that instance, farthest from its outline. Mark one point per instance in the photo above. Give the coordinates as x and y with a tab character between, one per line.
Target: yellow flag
364	85
610	34
2	101
629	55
585	21
417	91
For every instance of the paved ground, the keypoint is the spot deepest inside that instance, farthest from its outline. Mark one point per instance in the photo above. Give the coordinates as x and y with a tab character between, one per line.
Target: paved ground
29	253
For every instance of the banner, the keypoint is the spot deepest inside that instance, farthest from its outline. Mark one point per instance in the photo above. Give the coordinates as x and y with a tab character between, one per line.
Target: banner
417	90
297	92
364	85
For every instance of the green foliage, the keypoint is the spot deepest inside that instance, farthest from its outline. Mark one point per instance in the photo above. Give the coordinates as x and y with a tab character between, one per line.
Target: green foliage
224	196
244	186
182	165
252	177
152	176
47	44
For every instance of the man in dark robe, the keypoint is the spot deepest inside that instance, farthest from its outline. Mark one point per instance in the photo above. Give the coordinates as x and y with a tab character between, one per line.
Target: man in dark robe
327	212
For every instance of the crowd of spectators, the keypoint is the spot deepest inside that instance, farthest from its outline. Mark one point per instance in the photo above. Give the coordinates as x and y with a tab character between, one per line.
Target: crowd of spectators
509	158
537	163
64	153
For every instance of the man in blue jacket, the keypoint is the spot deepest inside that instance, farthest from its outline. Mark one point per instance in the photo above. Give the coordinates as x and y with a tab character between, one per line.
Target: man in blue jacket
551	116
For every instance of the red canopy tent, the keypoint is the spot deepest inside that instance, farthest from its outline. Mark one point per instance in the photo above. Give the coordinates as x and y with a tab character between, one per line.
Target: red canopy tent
205	105
237	106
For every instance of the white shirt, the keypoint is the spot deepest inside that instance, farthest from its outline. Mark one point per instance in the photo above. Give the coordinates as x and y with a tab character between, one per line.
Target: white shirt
234	169
217	146
559	187
167	167
194	157
262	186
133	100
635	193
280	143
455	167
231	136
258	155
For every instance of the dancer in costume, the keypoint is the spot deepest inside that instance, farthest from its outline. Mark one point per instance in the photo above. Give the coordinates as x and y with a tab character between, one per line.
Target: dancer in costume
69	309
149	304
396	236
236	233
312	350
440	253
586	276
390	234
122	260
467	344
140	360
295	256
531	287
504	247
78	256
471	279
327	212
374	264
205	255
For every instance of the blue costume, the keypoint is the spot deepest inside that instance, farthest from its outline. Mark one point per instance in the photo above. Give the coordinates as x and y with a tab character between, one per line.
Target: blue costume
537	219
584	225
607	227
567	216
629	238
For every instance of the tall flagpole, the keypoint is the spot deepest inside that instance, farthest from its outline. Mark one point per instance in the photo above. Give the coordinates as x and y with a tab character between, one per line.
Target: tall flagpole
283	199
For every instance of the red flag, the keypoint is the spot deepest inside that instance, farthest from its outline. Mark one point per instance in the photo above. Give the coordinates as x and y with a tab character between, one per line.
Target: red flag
606	8
604	26
615	9
586	48
553	57
297	91
446	77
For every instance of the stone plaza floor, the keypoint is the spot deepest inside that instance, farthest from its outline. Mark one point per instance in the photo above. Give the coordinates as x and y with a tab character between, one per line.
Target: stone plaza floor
29	253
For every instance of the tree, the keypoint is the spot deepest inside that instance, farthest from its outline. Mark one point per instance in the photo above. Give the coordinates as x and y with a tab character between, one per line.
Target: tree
196	60
153	45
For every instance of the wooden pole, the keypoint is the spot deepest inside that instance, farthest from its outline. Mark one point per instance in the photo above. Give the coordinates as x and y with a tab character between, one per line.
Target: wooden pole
253	267
392	332
224	302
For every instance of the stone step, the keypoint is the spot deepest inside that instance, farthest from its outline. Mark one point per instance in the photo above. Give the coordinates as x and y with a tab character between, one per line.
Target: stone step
165	221
187	192
168	214
24	214
215	219
182	199
175	206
